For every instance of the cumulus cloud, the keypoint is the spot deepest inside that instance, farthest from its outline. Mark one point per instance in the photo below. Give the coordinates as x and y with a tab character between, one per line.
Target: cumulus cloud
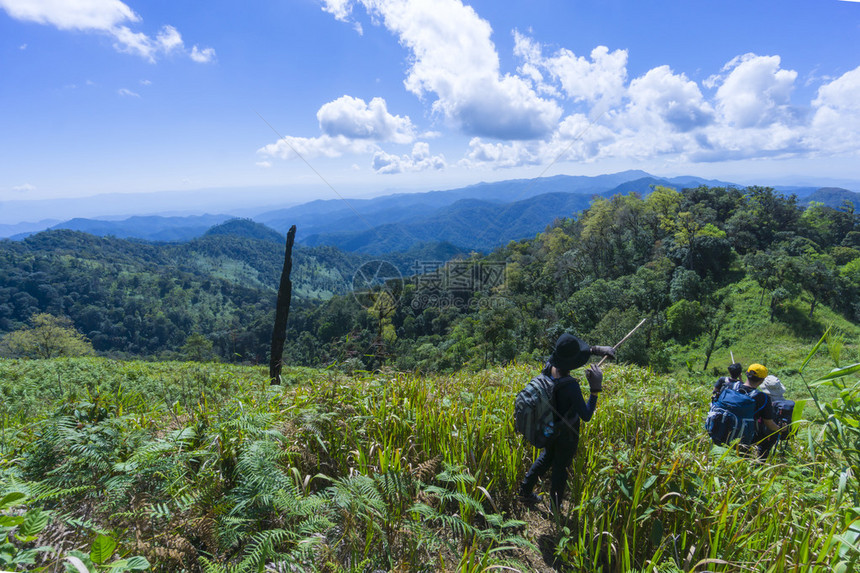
127	93
560	106
348	125
663	98
602	79
353	118
25	188
419	160
311	147
203	56
755	92
340	9
454	62
110	17
836	120
502	155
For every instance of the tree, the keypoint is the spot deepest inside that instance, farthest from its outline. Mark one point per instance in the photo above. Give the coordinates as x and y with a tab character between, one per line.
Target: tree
817	275
47	336
198	348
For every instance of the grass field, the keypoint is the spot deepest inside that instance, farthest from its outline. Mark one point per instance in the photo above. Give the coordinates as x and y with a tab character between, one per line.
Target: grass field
206	467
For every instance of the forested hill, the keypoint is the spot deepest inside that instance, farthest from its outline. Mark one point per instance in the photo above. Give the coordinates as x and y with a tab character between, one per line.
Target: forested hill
145	299
708	266
711	268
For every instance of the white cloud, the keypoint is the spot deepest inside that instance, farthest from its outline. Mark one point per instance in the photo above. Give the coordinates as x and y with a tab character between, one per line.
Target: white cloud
109	17
661	99
127	92
311	147
202	56
501	155
601	79
419	160
558	106
454	61
22	47
351	117
836	121
340	9
755	92
77	15
25	188
349	125
264	164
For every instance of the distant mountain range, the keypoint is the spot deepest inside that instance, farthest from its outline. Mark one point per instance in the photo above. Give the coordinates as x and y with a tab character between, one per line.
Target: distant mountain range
478	217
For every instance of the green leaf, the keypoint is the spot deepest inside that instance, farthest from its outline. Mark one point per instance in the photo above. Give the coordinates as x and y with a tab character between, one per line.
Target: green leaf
840	372
814	350
35	521
102	550
649	482
138	563
11	520
12	499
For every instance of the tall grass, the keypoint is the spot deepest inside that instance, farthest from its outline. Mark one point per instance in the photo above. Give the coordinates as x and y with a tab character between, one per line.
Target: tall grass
207	467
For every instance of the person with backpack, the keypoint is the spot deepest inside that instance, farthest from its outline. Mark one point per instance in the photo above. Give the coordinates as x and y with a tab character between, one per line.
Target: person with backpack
569	407
743	412
783	409
733	377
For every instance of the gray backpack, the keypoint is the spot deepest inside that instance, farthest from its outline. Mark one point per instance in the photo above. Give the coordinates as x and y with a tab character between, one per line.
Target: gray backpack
535	411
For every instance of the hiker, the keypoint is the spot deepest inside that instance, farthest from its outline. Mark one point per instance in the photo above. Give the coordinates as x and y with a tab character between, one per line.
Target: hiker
569	353
783	408
734	376
767	430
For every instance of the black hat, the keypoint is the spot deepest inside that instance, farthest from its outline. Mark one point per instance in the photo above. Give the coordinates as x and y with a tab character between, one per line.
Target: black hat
570	352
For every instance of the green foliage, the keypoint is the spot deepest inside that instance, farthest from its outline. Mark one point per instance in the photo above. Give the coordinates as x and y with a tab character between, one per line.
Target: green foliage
684	319
19	530
222	472
47	336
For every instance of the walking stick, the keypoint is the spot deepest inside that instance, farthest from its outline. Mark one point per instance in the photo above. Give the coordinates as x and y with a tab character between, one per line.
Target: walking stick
620	342
732	355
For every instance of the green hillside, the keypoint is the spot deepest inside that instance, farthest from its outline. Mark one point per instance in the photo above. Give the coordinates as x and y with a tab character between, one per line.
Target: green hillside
135	298
206	467
390	444
713	271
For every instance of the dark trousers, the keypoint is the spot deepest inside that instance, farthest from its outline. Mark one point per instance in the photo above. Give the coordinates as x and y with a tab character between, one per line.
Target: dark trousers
557	455
766	444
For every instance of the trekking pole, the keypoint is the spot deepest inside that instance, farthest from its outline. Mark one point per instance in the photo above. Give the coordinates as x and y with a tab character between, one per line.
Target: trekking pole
732	355
620	342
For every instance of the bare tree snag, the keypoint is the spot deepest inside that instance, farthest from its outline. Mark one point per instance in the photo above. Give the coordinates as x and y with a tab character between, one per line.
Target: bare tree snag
282	312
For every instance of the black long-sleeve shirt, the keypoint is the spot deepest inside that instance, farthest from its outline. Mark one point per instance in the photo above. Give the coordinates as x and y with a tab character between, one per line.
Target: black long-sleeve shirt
570	403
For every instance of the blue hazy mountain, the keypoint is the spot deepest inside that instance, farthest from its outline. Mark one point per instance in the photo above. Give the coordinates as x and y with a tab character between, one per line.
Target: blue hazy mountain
150	228
480	216
833	197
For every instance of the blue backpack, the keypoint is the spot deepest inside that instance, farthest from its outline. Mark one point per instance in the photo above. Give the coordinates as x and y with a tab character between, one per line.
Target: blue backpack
732	416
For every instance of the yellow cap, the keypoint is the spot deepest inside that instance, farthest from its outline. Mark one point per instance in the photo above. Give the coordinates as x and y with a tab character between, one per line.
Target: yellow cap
757	370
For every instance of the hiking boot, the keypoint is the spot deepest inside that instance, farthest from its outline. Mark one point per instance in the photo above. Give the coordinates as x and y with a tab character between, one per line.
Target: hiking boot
528	498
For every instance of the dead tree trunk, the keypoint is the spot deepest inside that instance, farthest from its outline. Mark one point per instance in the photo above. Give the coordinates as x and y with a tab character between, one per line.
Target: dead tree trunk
282	312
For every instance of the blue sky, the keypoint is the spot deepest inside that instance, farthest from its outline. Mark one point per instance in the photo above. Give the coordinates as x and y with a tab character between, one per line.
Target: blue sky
362	97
